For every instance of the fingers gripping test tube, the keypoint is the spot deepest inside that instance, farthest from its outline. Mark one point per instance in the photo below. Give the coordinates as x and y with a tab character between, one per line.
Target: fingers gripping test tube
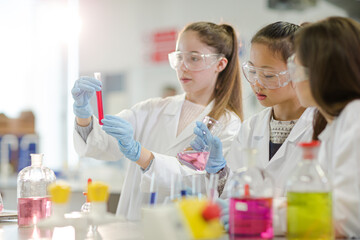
97	75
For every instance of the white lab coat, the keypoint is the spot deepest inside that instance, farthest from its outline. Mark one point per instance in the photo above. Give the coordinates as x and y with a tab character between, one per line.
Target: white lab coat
155	123
255	133
339	155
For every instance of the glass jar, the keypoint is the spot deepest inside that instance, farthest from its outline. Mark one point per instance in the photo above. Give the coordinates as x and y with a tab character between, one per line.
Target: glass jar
250	209
309	210
32	192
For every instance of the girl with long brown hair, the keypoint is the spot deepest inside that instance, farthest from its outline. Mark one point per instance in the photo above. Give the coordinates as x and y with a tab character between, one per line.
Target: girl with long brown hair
207	67
326	74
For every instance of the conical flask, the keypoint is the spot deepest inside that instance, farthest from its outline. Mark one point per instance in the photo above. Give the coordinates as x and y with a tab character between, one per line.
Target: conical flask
197	158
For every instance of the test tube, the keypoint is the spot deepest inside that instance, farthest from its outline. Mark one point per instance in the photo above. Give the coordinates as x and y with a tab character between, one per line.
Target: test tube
196	186
181	186
213	187
97	75
172	187
152	190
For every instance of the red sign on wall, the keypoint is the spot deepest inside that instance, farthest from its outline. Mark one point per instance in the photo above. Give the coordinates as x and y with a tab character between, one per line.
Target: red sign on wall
162	43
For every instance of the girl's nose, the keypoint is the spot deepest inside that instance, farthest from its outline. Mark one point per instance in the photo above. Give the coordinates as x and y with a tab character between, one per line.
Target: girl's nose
182	67
257	83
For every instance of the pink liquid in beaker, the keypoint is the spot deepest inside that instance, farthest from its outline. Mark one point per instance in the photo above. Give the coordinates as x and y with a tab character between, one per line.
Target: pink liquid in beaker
1	208
194	159
31	210
250	218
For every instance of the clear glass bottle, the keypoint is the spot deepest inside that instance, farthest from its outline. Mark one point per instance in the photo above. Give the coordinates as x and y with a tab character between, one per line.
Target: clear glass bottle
197	158
309	210
32	192
251	195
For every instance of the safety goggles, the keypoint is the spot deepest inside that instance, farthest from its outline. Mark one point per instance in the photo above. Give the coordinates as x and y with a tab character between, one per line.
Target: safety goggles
193	61
266	78
297	72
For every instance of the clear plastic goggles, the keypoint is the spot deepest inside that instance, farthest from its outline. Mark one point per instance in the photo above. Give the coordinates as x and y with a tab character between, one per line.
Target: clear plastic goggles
193	61
297	72
266	78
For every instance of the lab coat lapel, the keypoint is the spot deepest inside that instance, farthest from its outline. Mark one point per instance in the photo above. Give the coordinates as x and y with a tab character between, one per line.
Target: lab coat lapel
187	133
171	119
261	138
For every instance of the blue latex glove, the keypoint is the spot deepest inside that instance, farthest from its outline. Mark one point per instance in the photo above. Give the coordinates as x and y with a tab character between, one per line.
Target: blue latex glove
84	88
224	218
123	132
216	161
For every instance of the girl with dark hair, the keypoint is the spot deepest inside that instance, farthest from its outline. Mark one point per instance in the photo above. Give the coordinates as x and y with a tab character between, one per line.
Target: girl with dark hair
326	74
207	67
277	129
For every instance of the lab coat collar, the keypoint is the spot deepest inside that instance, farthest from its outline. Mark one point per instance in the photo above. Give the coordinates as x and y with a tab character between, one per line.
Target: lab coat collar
301	126
326	133
261	137
174	107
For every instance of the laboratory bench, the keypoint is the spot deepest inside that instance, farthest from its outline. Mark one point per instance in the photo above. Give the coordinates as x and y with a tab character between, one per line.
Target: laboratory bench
112	231
77	199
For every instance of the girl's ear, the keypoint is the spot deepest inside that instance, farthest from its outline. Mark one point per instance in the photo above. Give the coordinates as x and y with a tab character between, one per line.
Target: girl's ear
222	64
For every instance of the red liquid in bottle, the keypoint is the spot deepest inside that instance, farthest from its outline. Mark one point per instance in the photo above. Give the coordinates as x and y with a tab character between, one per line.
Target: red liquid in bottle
250	218
100	106
32	209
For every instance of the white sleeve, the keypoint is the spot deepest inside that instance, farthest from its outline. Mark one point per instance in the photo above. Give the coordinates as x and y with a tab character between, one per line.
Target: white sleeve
99	144
346	178
165	166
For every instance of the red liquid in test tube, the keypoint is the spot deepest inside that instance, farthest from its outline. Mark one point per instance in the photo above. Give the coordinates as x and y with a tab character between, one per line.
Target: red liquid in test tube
97	75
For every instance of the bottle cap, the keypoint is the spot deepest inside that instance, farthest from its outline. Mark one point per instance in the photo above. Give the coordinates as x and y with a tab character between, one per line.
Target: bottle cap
314	143
36	159
59	191
309	149
98	192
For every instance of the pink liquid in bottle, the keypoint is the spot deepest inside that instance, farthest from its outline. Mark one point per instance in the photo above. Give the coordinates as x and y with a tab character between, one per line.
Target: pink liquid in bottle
100	106
193	159
31	210
1	208
250	218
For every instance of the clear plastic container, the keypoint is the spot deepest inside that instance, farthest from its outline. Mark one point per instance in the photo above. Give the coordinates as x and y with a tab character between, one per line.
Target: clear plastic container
32	194
197	159
309	211
251	194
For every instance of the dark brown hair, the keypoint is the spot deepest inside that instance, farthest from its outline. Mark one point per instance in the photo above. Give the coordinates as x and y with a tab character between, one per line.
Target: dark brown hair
227	93
279	38
330	49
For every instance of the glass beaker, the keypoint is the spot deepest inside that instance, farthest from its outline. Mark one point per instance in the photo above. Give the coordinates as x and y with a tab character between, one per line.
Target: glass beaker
197	158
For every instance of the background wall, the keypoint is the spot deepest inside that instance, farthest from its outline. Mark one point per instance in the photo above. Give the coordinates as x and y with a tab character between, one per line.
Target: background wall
116	40
42	53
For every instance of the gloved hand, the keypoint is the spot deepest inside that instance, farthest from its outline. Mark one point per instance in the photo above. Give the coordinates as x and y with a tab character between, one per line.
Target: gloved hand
123	132
216	161
224	217
84	88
